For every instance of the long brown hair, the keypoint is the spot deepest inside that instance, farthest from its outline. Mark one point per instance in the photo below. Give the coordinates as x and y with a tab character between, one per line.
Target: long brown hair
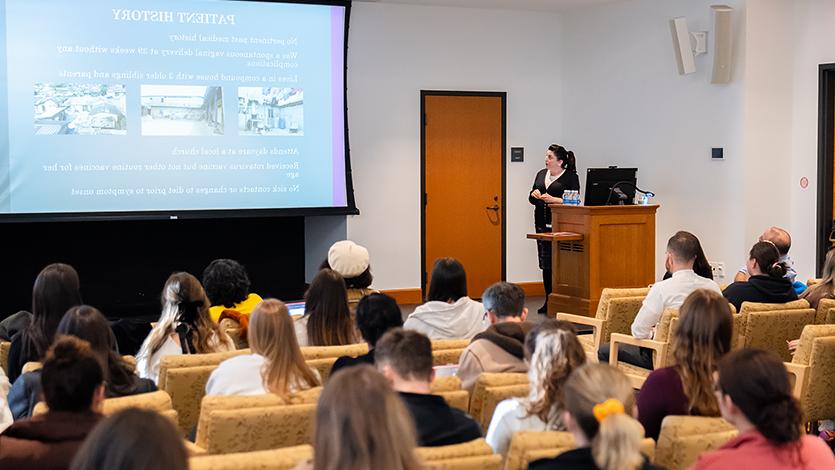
703	336
88	323
184	301
56	289
329	321
557	353
271	335
615	438
361	424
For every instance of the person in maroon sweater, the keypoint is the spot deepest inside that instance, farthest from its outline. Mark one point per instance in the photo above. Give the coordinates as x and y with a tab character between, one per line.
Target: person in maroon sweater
73	388
703	336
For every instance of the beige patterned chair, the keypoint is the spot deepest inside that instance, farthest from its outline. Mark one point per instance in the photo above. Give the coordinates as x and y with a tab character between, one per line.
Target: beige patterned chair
158	401
822	313
684	438
4	355
748	307
528	446
261	428
615	312
323	366
193	360
450	388
322	352
492	388
277	459
187	386
475	455
813	368
771	330
448	351
662	349
442	344
212	404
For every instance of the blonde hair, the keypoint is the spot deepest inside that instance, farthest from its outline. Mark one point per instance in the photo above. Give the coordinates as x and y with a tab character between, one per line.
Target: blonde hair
184	301
361	424
557	354
271	334
616	438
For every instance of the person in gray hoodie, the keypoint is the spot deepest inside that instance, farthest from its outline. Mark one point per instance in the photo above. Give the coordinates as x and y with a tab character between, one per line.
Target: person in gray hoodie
448	313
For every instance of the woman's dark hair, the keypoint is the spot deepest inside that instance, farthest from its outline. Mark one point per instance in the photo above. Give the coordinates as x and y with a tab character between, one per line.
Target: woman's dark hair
226	282
565	157
360	281
56	289
449	280
326	306
685	246
758	384
71	373
767	256
87	323
133	439
376	314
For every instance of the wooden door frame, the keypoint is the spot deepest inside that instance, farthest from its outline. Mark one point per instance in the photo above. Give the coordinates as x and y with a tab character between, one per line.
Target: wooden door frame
826	150
422	121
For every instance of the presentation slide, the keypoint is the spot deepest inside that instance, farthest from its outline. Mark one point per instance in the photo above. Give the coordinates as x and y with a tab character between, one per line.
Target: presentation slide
170	105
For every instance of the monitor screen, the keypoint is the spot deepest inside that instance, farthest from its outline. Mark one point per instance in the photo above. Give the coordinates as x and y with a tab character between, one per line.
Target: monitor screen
610	186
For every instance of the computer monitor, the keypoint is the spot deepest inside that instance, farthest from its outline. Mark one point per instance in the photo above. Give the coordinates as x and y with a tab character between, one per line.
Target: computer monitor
296	309
610	186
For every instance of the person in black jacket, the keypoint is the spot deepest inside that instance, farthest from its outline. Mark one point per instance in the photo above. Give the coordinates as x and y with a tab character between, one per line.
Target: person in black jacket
558	176
376	314
599	413
405	358
767	283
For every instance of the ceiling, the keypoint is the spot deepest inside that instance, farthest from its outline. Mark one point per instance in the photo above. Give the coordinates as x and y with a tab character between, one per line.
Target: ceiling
539	5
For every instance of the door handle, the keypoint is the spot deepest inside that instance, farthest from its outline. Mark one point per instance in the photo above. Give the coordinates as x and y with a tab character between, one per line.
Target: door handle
494	207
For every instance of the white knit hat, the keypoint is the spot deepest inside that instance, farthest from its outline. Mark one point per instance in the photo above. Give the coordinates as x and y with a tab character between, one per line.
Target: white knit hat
347	258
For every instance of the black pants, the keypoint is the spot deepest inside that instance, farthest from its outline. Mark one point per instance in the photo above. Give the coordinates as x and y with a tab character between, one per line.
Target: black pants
641	357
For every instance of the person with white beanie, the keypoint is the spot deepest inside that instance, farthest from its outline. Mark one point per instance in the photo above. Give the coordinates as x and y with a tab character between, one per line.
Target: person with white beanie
352	262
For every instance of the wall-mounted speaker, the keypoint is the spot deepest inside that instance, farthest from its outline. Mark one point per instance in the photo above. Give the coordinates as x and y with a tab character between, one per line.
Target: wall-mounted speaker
681	45
722	43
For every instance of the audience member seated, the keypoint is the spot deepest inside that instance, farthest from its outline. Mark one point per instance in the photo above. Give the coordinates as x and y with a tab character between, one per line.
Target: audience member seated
133	439
499	348
56	289
276	364
783	241
351	261
227	287
86	323
6	417
703	336
556	353
73	387
405	359
767	283
683	252
376	314
599	410
755	396
361	424
184	326
825	289
448	313
327	319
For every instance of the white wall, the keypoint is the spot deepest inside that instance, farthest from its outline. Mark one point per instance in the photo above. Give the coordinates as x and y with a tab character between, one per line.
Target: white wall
626	105
397	50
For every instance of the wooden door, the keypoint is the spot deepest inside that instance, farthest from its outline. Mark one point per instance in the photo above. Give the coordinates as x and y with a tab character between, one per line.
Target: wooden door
463	184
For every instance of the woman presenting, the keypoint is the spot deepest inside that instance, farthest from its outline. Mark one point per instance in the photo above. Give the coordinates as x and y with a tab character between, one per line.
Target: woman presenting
559	175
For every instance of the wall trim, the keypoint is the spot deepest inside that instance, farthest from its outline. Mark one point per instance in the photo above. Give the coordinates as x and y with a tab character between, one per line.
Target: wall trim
405	296
532	289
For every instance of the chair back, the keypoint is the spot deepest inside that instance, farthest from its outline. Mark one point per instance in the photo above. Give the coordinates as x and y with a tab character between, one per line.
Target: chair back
276	459
187	386
442	357
684	438
449	387
607	294
816	398
492	388
824	305
528	446
321	352
441	344
803	353
473	448
158	401
193	360
748	307
249	429
478	462
323	366
620	313
4	355
772	329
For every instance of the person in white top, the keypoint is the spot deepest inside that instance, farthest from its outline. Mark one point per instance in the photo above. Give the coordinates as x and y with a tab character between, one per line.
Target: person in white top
556	353
783	241
683	251
276	364
184	326
448	313
6	418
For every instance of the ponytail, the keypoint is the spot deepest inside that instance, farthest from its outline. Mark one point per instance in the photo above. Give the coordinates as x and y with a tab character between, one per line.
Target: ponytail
570	162
767	256
617	444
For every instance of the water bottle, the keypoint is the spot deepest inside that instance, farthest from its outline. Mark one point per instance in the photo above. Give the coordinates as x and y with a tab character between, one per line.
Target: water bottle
576	198
566	198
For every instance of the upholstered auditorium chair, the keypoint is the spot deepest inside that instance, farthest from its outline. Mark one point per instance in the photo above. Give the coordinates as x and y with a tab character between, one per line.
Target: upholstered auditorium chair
475	455
276	459
771	330
615	313
248	429
748	307
822	314
4	355
448	351
661	346
158	401
450	388
813	370
493	387
528	446
323	352
684	438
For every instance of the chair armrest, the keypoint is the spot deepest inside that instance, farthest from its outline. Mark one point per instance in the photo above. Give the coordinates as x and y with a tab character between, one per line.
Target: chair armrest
801	377
659	347
590	321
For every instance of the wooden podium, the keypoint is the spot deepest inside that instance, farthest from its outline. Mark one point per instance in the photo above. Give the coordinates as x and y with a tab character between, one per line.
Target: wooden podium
595	247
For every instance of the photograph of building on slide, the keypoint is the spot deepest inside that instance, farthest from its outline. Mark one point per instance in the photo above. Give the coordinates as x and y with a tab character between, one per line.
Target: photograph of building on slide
80	108
182	110
270	111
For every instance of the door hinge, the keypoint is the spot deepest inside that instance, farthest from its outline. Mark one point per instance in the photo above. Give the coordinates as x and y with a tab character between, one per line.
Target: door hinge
424	119
425	199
